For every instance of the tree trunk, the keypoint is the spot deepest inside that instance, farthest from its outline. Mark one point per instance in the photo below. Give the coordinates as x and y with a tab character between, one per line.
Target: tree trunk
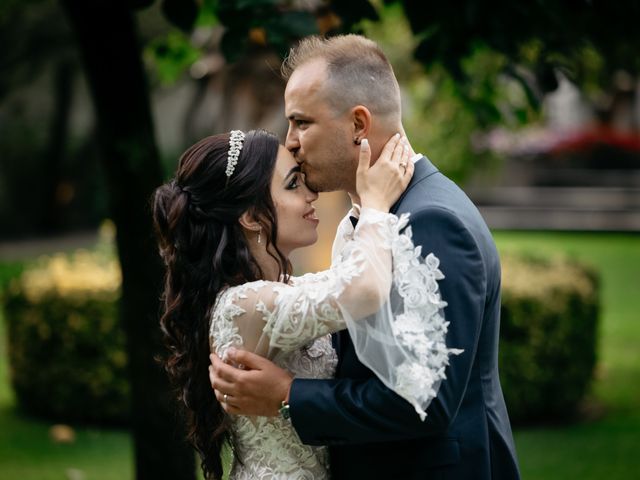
63	84
108	41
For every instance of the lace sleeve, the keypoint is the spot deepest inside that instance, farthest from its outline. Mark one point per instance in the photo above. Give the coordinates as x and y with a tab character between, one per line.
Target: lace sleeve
403	343
398	330
273	316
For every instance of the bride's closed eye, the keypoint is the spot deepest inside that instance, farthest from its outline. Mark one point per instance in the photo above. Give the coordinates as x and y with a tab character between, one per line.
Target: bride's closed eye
296	181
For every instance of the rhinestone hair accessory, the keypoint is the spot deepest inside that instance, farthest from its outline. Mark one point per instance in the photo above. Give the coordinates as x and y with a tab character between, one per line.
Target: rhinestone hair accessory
235	145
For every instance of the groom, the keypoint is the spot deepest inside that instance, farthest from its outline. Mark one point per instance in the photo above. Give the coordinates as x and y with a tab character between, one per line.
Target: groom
339	91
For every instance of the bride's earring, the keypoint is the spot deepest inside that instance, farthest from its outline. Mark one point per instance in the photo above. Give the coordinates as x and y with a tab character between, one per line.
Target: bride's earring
259	232
357	141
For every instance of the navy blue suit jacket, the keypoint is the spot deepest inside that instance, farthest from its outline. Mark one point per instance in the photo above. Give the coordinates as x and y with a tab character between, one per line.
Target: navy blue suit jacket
372	432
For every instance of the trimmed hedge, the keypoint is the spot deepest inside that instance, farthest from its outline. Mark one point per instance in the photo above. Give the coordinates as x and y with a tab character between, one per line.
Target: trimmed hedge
548	344
66	349
68	360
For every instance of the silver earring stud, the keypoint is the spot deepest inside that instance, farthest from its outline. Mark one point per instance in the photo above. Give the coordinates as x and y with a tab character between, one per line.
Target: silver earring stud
356	141
259	232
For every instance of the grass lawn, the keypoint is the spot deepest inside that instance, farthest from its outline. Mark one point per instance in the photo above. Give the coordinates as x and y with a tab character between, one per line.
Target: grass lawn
28	453
605	447
602	448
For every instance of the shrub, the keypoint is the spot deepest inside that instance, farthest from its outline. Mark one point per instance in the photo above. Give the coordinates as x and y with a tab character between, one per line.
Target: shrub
548	336
68	359
8	271
66	348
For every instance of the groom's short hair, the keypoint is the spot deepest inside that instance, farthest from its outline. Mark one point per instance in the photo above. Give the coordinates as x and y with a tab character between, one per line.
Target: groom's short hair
358	72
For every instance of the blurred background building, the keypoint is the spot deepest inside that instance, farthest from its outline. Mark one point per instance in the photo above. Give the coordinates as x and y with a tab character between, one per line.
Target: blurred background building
576	170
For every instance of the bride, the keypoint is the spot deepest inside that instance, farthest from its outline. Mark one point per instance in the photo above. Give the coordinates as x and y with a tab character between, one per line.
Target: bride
226	225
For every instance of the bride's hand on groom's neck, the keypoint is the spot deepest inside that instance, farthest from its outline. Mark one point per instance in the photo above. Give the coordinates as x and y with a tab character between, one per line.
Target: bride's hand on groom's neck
257	389
381	184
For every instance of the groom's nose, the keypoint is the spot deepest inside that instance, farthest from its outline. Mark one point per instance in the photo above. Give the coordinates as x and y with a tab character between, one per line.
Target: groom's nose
291	143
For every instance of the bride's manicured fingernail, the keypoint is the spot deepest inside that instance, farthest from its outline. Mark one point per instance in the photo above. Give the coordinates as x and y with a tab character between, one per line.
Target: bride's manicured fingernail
364	144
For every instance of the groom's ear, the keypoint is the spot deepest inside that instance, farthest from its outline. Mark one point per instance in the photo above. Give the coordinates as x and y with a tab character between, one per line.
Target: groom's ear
361	117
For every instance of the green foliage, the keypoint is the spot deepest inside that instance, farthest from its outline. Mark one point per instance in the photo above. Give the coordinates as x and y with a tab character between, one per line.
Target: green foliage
561	31
66	348
549	329
439	126
438	120
530	41
258	22
171	56
8	272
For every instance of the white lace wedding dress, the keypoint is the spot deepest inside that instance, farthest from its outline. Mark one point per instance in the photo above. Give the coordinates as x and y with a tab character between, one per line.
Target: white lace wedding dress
290	324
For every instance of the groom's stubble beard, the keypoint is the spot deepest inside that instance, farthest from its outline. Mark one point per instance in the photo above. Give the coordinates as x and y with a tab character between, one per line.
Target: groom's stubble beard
335	172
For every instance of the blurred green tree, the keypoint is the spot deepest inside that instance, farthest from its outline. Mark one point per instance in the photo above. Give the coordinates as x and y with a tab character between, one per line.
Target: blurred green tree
487	62
587	40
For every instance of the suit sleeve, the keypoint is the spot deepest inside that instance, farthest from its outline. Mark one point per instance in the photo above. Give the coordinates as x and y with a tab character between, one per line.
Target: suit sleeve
342	411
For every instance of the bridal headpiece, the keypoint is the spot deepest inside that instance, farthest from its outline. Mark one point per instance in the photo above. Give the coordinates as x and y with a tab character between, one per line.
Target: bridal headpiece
235	146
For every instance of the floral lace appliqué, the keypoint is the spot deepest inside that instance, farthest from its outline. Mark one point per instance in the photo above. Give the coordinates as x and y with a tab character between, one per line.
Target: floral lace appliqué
421	326
311	308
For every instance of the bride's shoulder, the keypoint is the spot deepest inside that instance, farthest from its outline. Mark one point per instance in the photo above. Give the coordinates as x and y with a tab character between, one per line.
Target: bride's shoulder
309	278
233	297
244	289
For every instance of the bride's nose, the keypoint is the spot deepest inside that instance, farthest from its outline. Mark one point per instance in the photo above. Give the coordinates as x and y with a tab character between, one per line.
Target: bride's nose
311	195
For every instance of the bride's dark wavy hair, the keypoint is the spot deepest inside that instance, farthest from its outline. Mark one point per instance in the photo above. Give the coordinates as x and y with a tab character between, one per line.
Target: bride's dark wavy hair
204	250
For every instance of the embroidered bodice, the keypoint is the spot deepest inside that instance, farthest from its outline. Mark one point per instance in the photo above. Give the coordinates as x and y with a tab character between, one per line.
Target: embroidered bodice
269	446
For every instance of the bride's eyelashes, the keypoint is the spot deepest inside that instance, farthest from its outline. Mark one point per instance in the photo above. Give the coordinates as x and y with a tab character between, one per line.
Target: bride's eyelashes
295	181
